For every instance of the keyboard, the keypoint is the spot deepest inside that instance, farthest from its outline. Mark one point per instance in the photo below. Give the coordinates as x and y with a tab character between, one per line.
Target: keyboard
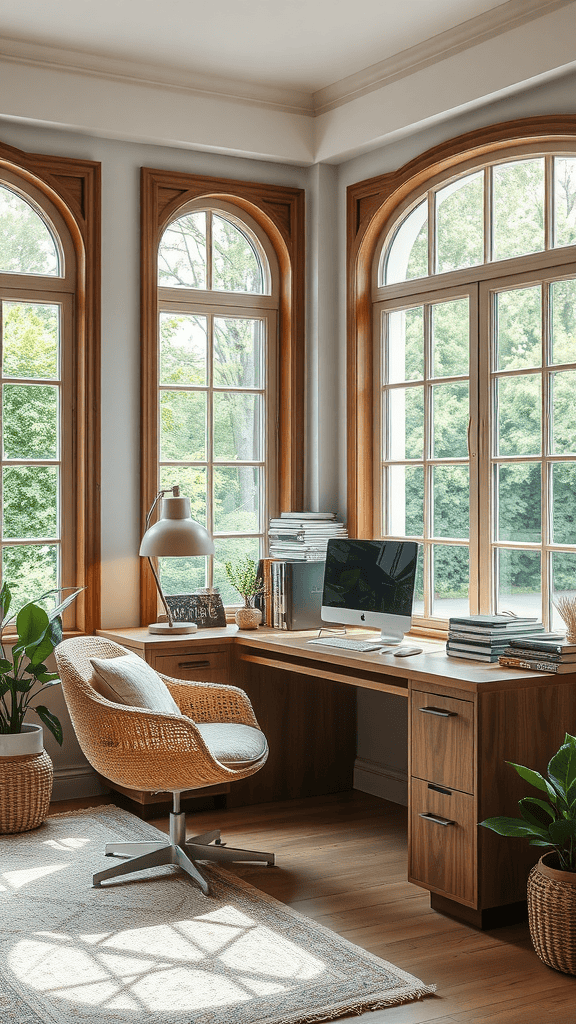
348	645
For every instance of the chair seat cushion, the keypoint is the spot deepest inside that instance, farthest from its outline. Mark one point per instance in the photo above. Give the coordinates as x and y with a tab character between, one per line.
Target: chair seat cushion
130	680
233	745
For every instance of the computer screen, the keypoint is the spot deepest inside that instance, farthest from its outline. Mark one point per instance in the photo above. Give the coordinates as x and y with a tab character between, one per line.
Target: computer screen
370	583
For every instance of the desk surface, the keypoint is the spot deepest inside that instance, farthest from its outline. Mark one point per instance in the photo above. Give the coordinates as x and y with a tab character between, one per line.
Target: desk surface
286	650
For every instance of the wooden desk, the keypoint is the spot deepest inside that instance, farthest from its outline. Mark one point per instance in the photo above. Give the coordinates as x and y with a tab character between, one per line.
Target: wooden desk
466	720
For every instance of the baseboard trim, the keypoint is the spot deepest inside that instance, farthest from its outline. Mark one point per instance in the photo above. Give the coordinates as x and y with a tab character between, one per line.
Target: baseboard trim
76	781
381	780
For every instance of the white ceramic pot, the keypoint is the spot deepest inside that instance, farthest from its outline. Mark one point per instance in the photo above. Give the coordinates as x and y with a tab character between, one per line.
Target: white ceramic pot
29	741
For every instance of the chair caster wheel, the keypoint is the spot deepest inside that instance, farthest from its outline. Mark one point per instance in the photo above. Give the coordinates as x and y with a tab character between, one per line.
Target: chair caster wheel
218	842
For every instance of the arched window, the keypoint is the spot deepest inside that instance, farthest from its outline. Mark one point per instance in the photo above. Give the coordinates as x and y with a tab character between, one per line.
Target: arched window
48	537
474	300
217	359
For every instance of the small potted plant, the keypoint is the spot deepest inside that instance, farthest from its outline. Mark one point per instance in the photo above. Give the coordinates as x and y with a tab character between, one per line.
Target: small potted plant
551	823
25	768
243	575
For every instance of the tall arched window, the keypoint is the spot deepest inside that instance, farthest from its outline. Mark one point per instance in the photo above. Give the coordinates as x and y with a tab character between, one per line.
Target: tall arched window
220	338
474	314
48	532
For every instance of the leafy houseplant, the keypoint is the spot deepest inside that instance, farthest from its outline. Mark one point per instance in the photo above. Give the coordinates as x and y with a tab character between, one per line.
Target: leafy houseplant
23	675
551	822
243	574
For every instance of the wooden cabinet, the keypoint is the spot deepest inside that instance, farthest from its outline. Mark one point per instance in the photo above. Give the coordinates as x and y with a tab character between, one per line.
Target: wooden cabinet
209	665
443	847
443	740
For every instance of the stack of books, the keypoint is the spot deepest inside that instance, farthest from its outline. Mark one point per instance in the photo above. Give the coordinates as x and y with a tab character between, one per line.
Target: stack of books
540	655
486	637
303	536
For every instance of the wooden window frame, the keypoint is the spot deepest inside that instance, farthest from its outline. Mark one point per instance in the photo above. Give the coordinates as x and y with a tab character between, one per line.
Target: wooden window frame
279	212
373	206
72	187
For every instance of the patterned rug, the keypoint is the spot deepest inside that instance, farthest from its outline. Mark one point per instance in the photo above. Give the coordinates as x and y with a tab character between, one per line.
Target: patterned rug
153	950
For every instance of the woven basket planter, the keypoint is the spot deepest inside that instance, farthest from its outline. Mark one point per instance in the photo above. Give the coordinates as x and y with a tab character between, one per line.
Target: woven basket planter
25	780
552	914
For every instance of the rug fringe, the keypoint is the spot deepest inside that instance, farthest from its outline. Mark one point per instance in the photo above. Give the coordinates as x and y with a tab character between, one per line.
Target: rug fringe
381	1002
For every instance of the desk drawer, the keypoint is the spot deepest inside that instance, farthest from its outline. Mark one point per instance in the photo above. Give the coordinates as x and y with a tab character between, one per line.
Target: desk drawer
442	737
205	666
443	841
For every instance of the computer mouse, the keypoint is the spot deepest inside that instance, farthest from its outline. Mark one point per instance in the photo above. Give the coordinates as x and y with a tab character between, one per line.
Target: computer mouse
405	652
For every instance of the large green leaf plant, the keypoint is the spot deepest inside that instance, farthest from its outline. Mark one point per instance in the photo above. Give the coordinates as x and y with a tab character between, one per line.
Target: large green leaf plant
23	672
550	822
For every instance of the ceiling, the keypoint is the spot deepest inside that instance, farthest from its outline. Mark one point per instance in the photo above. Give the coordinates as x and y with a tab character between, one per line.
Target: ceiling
264	47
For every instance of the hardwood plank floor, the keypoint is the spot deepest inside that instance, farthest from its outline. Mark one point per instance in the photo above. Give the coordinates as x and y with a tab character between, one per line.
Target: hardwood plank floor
341	860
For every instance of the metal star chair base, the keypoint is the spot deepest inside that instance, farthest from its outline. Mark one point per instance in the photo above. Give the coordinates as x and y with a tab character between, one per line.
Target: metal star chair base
178	850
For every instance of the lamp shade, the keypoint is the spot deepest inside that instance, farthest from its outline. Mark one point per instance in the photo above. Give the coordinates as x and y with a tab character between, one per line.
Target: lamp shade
175	534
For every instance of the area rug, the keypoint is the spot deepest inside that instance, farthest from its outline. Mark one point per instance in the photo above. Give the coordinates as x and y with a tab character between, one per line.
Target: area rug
154	949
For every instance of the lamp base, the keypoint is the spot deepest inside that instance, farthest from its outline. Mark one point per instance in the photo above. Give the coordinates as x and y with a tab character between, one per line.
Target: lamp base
167	629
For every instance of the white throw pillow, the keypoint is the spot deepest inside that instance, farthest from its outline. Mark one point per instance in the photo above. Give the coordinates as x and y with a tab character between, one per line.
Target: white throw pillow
130	680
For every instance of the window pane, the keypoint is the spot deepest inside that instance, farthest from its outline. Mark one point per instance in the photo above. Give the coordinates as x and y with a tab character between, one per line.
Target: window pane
237	426
450	412
563	303
405	348
182	426
563	503
563	582
460	224
519	582
183	347
237	499
182	575
451	501
192	483
30	421
564	413
450	569
26	243
450	338
30	336
518	495
29	570
406	423
235	265
238	352
182	253
519	415
406	501
518	215
418	606
518	328
565	200
408	254
230	550
30	502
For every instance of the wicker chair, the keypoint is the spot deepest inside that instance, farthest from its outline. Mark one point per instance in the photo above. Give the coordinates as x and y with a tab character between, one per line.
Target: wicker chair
144	750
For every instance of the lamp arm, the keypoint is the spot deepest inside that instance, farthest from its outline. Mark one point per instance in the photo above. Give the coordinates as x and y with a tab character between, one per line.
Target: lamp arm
162	598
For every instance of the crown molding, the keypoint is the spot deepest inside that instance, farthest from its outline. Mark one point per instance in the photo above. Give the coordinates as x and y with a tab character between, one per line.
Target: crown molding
291	101
431	51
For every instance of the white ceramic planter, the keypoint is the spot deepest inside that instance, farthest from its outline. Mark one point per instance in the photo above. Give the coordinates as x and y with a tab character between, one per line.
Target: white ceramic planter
29	741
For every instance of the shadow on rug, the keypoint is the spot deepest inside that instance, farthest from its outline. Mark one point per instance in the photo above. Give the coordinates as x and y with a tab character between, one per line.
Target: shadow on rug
153	949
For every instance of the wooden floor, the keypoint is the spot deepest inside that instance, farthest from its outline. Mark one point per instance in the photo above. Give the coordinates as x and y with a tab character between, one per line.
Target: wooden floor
342	861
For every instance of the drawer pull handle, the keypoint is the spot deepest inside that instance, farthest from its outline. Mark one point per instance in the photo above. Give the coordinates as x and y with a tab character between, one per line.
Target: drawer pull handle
439	789
193	664
435	818
439	711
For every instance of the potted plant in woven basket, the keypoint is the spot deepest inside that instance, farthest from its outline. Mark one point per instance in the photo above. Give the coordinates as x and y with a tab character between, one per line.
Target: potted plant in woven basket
243	575
550	822
26	771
